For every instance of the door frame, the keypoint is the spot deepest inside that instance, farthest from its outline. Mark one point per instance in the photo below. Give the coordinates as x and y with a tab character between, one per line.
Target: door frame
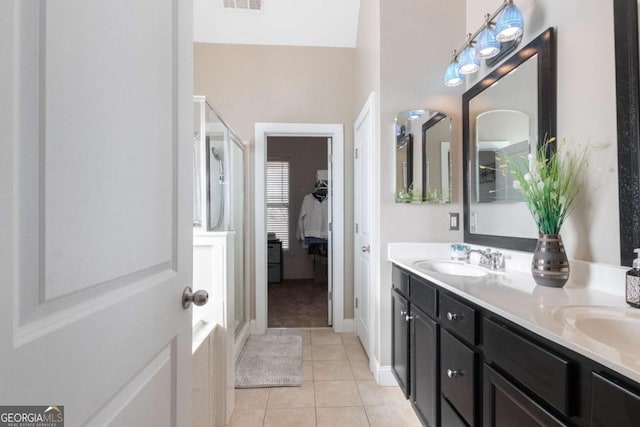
262	132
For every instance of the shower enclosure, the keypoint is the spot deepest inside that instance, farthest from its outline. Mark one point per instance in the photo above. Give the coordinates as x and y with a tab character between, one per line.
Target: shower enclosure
218	190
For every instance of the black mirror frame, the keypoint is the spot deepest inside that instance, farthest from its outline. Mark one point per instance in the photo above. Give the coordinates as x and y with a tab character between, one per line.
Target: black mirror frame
628	111
545	47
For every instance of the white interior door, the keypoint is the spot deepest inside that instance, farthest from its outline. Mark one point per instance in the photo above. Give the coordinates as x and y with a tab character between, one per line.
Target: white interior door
95	209
330	241
362	213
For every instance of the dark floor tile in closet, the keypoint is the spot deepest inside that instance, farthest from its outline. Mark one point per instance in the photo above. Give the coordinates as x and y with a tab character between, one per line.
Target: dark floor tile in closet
298	304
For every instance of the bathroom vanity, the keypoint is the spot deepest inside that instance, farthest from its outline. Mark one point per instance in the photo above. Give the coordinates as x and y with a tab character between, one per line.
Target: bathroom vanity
496	350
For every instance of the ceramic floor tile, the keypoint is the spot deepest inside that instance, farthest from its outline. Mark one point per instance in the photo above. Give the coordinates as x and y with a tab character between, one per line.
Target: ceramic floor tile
335	394
374	395
246	418
355	352
298	417
292	397
324	370
306	352
391	416
325	338
328	352
342	417
360	369
307	370
350	339
251	398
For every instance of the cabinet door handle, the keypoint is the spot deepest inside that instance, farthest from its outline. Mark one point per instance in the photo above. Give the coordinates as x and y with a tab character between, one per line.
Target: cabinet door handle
453	316
453	373
408	318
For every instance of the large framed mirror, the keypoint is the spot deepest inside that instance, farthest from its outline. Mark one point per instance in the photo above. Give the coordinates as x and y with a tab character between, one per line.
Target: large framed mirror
423	157
508	113
628	112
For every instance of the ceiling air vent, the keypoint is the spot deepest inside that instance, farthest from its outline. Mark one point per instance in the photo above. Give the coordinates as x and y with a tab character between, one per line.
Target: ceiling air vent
243	4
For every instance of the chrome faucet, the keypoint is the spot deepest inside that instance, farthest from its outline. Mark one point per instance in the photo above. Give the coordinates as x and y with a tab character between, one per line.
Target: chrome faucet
489	259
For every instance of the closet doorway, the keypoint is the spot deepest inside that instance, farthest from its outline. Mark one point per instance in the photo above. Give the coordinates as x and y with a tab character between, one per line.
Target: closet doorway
298	218
299	226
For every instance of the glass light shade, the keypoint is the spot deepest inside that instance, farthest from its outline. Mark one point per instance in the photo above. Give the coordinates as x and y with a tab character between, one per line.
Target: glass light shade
469	64
510	24
452	77
486	44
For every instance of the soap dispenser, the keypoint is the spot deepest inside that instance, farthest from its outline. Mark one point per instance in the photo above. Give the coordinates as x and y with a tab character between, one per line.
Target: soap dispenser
633	283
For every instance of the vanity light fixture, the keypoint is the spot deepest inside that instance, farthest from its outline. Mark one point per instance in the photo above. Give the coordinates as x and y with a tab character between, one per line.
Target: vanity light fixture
510	24
452	77
487	42
469	64
487	45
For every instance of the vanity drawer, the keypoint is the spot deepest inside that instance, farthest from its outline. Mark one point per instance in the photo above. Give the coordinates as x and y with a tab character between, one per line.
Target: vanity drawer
457	375
458	318
613	404
400	280
423	295
542	372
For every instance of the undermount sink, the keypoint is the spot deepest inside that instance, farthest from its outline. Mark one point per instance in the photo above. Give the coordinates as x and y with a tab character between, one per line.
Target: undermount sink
615	327
452	268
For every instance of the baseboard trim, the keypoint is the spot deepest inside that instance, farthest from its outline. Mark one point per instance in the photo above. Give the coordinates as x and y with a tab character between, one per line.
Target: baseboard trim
254	330
348	325
382	373
385	377
240	339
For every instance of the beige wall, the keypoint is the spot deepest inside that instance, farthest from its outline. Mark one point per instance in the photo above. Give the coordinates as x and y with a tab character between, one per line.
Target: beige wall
586	111
412	72
306	156
283	84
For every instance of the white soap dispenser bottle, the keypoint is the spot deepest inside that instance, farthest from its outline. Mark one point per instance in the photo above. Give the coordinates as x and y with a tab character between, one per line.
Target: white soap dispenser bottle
633	283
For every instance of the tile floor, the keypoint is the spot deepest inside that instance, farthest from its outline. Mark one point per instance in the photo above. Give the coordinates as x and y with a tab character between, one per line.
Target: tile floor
337	390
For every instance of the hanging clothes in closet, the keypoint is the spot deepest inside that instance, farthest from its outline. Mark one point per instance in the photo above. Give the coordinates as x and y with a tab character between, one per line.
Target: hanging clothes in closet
313	221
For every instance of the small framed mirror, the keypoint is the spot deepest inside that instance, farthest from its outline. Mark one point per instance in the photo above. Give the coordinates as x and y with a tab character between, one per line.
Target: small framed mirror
423	158
508	113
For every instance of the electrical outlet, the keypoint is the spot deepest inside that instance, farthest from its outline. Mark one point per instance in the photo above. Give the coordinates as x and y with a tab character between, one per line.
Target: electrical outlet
454	221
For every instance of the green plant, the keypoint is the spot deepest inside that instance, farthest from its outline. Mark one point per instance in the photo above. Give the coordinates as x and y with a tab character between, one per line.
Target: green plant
550	182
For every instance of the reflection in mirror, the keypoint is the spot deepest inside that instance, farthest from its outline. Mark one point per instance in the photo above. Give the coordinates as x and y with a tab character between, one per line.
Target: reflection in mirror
500	136
506	114
425	135
436	159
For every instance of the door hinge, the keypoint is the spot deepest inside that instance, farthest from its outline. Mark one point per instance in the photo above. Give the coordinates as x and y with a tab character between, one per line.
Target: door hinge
356	227
331	295
356	302
330	157
330	226
357	153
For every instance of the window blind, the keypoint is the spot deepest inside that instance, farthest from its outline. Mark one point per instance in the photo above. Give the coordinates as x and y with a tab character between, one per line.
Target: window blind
278	200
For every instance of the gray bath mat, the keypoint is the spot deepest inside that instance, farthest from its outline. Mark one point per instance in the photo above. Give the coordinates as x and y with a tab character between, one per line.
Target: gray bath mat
270	361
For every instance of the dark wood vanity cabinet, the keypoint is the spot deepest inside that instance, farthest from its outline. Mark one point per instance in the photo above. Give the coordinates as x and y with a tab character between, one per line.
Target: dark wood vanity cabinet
424	374
463	365
414	343
400	344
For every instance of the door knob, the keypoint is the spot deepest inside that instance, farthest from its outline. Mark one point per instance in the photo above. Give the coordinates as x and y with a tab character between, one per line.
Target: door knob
198	297
366	248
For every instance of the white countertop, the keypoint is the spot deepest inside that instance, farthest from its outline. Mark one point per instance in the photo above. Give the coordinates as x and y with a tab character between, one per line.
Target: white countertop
592	288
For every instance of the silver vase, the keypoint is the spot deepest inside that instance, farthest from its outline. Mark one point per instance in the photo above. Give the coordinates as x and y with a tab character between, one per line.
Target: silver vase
550	266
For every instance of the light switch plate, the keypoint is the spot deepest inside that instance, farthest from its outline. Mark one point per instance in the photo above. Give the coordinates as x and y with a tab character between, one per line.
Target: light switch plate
454	221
